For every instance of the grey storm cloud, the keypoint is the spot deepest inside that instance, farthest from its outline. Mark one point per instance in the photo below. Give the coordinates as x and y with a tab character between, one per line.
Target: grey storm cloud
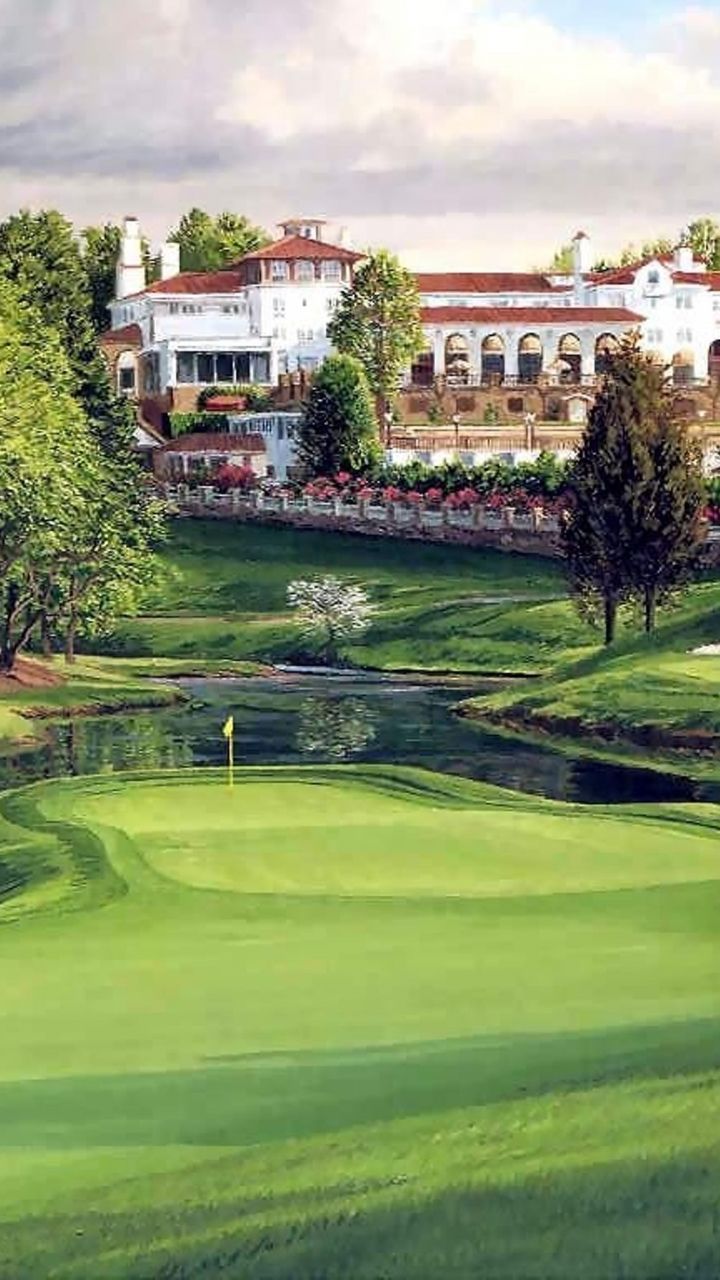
131	91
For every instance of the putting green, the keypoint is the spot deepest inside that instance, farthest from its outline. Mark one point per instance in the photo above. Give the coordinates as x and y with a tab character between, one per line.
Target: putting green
234	1022
343	837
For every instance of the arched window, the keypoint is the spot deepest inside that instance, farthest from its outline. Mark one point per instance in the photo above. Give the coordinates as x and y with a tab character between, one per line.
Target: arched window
457	358
570	358
127	373
530	358
605	348
493	359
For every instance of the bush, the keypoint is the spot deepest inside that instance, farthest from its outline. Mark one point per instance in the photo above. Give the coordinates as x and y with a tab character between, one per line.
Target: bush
257	399
182	424
231	476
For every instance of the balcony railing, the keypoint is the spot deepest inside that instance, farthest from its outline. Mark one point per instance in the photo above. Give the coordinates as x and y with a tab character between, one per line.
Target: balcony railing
486	381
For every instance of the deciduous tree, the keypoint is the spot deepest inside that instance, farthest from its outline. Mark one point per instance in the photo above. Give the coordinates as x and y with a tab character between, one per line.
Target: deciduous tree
337	431
330	609
378	322
209	242
40	255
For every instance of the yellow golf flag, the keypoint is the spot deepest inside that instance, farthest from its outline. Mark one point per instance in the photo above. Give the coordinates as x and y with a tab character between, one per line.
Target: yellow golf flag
228	731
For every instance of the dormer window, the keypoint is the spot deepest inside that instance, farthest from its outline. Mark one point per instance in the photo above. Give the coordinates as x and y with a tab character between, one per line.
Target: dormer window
304	270
278	270
653	277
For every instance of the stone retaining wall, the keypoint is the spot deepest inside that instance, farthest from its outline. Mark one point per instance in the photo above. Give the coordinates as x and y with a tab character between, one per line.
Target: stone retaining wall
507	529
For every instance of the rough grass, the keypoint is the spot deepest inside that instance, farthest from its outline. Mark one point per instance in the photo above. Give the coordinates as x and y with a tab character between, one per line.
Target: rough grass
223	595
356	1022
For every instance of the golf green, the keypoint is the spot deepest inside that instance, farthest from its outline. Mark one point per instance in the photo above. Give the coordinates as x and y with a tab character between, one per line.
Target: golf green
355	1022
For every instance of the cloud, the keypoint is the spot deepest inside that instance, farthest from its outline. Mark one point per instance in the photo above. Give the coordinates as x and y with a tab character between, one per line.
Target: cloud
414	113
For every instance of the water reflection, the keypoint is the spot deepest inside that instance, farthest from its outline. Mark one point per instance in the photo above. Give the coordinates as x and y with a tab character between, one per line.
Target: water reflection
313	718
334	729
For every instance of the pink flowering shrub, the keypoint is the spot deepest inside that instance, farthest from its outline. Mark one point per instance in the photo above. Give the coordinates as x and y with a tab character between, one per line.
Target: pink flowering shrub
393	494
231	476
462	500
434	497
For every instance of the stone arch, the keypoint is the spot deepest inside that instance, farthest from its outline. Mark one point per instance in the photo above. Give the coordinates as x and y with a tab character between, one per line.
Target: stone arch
714	360
606	346
683	367
126	373
530	358
492	358
569	358
457	358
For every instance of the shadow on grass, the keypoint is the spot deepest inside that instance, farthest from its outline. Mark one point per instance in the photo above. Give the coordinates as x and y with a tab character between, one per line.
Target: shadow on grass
272	1097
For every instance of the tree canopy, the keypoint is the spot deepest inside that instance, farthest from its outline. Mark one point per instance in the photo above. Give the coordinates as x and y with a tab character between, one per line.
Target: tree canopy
76	522
338	431
209	242
633	529
378	322
41	256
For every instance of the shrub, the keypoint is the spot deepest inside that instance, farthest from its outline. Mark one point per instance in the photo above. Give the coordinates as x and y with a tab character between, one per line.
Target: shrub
231	476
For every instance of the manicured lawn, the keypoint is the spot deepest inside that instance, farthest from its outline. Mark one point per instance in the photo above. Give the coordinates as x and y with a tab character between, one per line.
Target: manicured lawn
355	1022
223	595
644	688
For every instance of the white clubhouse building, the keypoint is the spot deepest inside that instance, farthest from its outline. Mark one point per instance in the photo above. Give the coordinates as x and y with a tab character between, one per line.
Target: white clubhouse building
267	316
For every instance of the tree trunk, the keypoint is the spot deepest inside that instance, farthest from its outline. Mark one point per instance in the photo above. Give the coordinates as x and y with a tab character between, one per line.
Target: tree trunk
650	609
45	639
70	639
7	650
381	407
610	618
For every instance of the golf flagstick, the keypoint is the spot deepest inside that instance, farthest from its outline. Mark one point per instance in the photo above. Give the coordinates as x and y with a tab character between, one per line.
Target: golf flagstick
228	734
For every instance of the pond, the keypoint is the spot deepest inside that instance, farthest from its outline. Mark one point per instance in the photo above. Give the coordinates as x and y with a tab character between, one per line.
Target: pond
306	718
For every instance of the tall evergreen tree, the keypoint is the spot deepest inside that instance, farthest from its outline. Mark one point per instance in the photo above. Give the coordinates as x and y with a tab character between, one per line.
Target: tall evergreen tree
337	432
378	322
669	540
633	528
607	485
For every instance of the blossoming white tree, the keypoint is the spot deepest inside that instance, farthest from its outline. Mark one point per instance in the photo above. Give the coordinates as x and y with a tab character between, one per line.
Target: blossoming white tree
330	609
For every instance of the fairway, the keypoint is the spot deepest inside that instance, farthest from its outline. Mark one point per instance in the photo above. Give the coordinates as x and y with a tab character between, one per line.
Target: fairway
355	1022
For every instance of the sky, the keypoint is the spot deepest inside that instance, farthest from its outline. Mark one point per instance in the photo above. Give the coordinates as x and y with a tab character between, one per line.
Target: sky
470	134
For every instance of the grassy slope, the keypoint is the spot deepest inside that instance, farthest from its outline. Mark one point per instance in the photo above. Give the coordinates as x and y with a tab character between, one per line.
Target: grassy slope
224	596
94	686
356	1022
650	689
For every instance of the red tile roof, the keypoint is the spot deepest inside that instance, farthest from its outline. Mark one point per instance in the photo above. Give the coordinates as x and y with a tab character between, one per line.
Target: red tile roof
709	278
626	274
291	247
215	442
502	317
131	333
482	282
194	282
